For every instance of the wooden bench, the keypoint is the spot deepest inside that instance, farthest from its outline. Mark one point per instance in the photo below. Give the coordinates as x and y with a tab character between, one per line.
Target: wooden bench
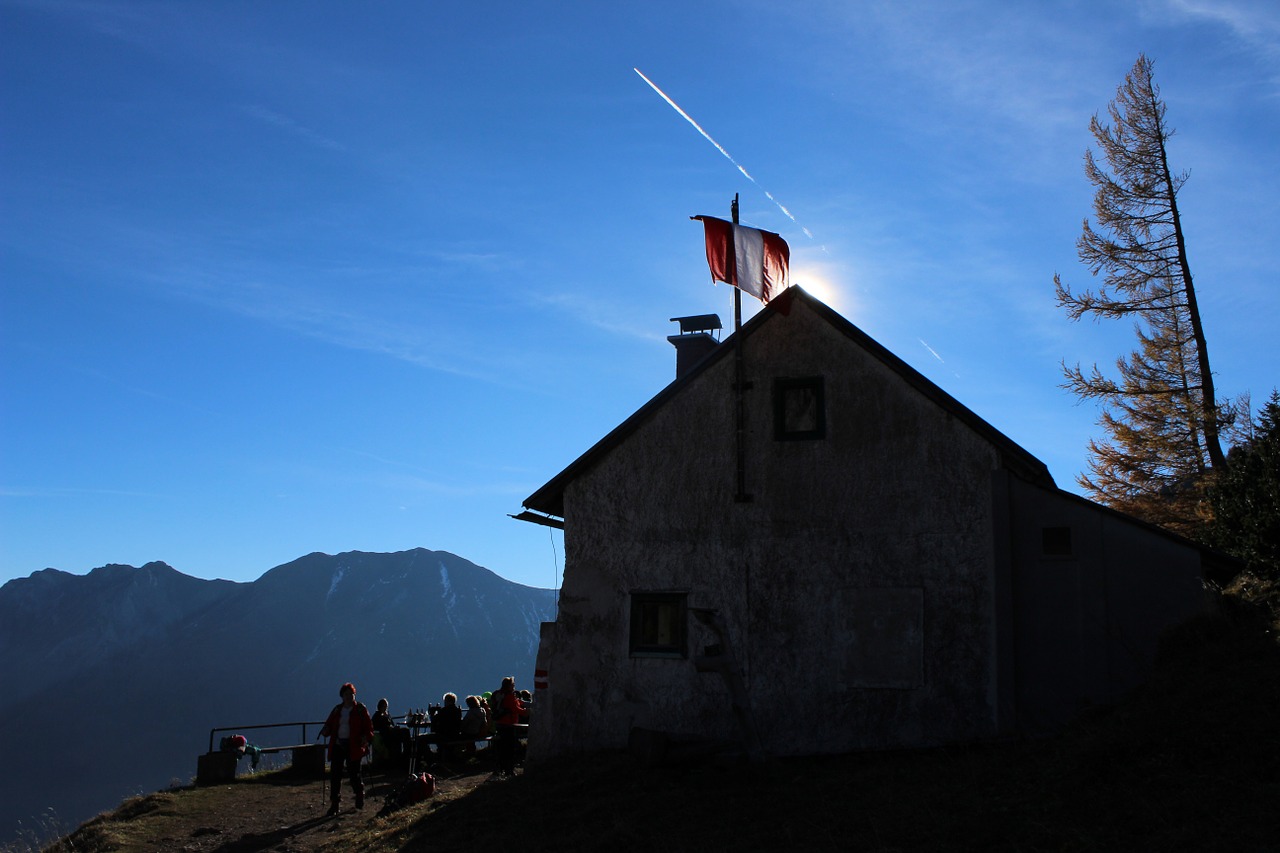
219	766
305	758
271	750
522	732
448	749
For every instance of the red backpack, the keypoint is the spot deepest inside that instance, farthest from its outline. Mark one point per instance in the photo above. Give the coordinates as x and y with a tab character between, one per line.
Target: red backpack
420	787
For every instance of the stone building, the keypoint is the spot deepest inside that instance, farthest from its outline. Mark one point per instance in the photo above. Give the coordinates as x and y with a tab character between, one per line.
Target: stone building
865	561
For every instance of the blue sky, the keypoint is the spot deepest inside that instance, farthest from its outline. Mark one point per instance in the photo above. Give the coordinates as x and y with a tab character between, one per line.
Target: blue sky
288	277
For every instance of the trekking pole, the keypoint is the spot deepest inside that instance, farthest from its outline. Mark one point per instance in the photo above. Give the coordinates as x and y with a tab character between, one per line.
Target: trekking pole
413	752
322	775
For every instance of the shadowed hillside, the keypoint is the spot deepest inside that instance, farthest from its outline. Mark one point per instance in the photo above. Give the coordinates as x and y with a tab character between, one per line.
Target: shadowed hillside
55	625
1190	762
175	656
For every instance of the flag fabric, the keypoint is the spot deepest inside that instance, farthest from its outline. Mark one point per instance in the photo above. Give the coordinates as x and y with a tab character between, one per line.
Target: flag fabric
750	259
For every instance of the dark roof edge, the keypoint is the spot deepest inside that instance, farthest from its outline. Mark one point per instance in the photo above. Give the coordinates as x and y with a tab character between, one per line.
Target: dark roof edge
1015	456
1213	554
549	499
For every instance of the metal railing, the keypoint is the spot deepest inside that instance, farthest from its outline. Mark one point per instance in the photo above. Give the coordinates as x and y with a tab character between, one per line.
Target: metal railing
213	732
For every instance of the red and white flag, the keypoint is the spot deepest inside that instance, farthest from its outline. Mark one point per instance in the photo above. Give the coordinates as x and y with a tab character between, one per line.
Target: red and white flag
748	258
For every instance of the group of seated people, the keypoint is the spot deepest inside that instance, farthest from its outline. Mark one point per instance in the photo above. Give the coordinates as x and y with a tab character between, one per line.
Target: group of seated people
450	728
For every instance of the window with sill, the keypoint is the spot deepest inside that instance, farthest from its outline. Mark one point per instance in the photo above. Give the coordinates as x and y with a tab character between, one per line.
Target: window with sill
659	624
799	409
1056	542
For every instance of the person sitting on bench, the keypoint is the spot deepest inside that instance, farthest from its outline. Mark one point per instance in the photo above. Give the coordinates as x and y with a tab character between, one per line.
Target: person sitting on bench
475	725
390	741
447	722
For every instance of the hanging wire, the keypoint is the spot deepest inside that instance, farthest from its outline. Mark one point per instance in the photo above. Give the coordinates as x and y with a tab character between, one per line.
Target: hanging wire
555	563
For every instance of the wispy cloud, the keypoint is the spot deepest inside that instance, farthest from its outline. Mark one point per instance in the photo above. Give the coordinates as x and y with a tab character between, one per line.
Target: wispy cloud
1254	24
430	485
72	492
285	123
606	316
1011	72
396	475
123	22
1257	23
398	307
314	314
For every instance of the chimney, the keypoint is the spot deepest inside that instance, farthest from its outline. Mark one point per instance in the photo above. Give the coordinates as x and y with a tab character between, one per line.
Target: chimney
694	341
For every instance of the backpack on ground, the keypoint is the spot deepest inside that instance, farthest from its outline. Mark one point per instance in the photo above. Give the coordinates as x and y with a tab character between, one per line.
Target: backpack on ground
420	787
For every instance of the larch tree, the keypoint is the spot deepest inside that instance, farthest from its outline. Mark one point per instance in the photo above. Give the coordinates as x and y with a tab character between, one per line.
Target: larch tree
1161	417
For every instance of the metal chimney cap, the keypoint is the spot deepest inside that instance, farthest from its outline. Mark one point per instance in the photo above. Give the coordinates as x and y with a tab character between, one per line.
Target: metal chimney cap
698	323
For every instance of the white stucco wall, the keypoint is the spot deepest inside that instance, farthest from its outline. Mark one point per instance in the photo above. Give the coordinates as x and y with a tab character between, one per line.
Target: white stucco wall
856	585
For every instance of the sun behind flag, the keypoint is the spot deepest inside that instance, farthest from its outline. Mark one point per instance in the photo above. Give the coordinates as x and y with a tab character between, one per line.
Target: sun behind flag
752	260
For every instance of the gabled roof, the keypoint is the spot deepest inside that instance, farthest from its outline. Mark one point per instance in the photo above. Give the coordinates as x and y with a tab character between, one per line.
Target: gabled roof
550	498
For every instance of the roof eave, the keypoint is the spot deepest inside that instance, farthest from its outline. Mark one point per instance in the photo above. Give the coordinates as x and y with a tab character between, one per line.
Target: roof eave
549	499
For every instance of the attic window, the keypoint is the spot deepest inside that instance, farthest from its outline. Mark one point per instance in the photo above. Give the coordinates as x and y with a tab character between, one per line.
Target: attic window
1055	541
659	623
799	409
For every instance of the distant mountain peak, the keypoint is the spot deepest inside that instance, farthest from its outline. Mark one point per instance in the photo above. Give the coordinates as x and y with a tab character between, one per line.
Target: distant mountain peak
185	655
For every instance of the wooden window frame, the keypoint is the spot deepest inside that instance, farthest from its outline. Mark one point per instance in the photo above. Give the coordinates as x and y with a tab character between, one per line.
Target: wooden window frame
650	645
783	389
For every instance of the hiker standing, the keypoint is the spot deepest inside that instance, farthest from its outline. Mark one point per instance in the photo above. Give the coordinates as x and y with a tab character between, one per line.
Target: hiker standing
507	709
350	730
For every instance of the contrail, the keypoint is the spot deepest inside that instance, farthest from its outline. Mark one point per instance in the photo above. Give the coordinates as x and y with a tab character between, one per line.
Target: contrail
720	148
940	359
931	350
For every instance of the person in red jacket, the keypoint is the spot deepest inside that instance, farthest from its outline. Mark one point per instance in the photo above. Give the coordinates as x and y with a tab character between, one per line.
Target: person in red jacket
507	709
350	731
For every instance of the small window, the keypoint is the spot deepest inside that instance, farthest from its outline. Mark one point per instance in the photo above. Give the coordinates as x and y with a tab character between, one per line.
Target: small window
658	624
799	409
1055	541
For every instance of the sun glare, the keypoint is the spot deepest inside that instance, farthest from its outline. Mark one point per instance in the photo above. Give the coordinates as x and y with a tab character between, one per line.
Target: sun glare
823	287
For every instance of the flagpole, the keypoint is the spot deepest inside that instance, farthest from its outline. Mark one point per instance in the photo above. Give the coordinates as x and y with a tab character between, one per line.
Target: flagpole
742	497
737	292
738	384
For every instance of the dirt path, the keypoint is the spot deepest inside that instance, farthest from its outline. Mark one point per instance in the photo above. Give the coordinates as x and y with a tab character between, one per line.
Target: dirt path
271	812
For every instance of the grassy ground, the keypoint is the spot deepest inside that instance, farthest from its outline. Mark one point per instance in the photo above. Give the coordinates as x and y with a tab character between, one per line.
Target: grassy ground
1191	762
